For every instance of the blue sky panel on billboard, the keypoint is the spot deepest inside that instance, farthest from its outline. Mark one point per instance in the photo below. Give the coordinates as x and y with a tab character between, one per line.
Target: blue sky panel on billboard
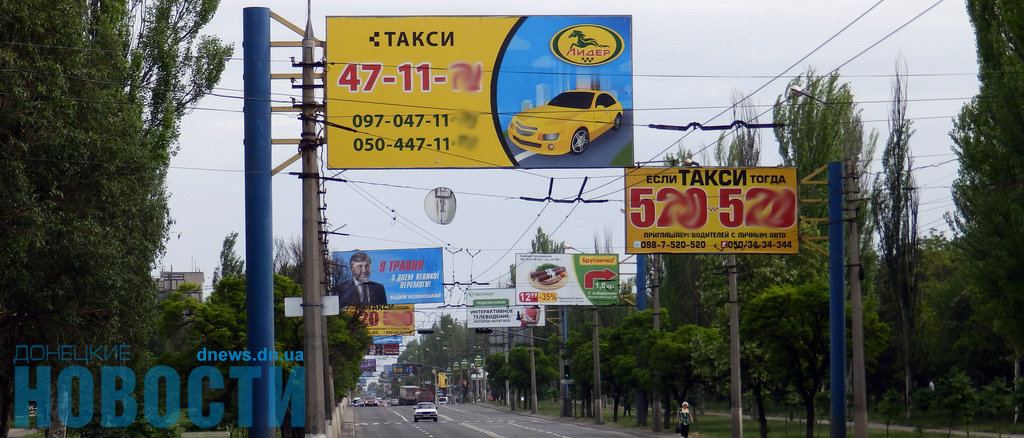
391	276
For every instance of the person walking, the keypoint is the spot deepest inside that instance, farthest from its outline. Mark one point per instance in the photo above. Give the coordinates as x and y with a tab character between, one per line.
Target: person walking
685	418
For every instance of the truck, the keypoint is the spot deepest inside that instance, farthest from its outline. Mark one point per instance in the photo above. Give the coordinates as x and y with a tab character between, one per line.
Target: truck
425	396
407	395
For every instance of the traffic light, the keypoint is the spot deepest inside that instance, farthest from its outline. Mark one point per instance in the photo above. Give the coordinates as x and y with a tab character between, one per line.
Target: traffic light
565	371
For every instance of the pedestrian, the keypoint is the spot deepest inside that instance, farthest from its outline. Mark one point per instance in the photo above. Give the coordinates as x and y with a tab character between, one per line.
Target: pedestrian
685	418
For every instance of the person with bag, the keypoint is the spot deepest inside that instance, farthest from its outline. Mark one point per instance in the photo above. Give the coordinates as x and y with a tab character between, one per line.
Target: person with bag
685	418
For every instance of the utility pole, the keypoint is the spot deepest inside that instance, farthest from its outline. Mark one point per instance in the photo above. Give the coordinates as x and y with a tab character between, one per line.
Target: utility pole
853	269
656	324
736	392
597	365
312	309
563	386
508	389
641	305
533	374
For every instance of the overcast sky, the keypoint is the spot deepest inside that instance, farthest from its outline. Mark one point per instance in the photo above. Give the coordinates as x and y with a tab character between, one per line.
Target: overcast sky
689	58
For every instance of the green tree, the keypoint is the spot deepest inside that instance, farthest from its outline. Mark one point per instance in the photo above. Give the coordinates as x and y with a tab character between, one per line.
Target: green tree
231	265
989	196
894	204
94	92
542	244
890	407
828	127
957	398
791	324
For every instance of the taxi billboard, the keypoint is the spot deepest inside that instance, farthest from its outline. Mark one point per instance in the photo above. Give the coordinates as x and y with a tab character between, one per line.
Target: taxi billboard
479	92
712	210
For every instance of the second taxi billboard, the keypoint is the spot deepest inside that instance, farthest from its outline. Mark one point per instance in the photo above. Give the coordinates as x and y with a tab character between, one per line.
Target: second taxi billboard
479	91
712	210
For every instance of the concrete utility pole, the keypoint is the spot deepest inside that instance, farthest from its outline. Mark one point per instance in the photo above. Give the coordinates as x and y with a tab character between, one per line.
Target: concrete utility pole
641	305
597	366
736	390
533	374
508	389
853	269
656	324
563	386
312	309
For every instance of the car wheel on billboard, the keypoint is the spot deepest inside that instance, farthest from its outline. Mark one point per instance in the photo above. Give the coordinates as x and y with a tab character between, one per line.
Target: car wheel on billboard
580	140
617	124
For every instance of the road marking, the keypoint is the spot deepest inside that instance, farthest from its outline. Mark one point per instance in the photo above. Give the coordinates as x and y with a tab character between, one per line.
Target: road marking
538	430
399	415
486	432
524	155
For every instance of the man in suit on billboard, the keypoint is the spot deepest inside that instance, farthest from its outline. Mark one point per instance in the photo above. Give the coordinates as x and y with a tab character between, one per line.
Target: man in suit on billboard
359	290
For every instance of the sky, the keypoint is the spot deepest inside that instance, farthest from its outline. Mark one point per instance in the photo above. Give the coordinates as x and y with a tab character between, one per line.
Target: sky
689	58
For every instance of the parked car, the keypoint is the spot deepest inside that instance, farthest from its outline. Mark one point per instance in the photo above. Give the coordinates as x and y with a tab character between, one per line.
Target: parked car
426	411
567	123
357	402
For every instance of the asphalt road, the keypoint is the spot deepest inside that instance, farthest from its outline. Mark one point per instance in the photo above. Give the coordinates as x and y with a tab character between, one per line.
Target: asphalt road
468	420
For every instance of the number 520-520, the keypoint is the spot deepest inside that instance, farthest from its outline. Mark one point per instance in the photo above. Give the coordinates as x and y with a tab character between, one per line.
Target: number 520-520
692	208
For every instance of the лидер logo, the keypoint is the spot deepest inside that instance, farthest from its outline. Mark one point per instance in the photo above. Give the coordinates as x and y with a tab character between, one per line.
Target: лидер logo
587	44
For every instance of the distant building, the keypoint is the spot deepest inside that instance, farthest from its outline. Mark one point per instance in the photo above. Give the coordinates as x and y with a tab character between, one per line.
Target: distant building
170	281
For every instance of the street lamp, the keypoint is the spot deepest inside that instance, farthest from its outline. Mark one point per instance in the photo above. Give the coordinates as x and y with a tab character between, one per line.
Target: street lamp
797	91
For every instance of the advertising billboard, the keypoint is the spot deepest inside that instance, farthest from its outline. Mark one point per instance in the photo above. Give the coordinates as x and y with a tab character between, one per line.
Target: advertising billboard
390	276
389	320
383	350
368	367
712	210
404	369
567	279
493	308
479	91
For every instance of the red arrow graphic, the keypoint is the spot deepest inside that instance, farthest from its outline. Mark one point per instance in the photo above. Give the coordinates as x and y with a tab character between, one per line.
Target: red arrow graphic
589	277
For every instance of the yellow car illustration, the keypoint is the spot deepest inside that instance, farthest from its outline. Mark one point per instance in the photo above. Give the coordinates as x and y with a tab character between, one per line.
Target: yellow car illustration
568	123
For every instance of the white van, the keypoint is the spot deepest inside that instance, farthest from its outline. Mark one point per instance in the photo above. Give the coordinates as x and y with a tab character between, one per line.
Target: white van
442	400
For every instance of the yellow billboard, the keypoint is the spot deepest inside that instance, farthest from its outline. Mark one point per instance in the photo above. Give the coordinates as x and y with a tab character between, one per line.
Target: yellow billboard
711	210
387	320
478	92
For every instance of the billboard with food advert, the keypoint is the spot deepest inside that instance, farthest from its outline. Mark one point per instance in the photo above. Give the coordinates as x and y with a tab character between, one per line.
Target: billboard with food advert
567	279
387	320
479	91
493	308
712	210
390	276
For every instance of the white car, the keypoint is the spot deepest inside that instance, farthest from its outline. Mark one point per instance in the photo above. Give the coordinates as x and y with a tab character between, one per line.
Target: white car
426	411
442	400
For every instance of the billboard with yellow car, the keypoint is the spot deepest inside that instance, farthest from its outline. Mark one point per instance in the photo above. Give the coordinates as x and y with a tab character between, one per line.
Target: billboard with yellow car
476	92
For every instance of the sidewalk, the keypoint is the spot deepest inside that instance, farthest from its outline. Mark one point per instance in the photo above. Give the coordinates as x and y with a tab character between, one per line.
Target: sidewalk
894	428
589	422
